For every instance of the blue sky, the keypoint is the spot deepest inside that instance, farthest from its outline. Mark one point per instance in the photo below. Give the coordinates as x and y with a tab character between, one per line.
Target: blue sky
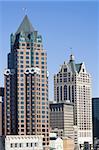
62	24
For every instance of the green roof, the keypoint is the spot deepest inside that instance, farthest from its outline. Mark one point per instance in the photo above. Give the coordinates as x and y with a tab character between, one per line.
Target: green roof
25	26
74	67
78	67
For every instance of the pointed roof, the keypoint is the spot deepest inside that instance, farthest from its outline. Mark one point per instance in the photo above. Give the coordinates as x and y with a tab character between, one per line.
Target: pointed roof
74	67
25	26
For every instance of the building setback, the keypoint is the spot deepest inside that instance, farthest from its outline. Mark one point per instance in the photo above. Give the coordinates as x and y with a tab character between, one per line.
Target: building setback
73	83
26	85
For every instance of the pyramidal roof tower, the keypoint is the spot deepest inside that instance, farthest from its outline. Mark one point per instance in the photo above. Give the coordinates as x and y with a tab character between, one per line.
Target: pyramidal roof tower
27	77
25	26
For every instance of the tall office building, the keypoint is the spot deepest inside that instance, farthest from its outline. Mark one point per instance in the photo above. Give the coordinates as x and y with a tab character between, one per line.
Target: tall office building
95	116
26	85
73	83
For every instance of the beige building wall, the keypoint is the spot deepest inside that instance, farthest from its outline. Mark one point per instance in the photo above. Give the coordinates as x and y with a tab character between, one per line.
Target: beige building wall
68	144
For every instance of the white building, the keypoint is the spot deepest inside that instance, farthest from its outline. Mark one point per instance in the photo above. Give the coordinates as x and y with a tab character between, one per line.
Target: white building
73	82
24	142
56	143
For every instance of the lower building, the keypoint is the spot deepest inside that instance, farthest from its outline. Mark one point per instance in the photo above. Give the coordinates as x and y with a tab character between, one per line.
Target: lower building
61	117
24	142
56	143
87	146
96	144
95	117
59	132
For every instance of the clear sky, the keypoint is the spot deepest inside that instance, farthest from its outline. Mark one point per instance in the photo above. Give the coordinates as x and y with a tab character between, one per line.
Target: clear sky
62	24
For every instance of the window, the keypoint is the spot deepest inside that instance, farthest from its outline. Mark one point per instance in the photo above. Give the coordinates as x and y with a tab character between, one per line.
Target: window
65	69
27	62
37	58
37	53
28	44
21	52
72	93
27	57
65	92
38	45
15	144
42	62
22	125
69	93
21	57
22	107
58	94
23	44
21	66
27	144
27	53
20	145
42	71
61	93
37	62
11	145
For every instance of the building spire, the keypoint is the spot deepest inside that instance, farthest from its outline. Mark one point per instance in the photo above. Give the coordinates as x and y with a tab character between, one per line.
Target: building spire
25	10
25	26
72	58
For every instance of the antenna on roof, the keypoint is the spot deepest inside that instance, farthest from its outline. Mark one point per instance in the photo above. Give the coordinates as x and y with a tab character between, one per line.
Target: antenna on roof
71	50
25	10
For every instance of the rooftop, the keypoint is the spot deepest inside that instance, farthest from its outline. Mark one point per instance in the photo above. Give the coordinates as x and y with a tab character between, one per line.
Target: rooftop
25	26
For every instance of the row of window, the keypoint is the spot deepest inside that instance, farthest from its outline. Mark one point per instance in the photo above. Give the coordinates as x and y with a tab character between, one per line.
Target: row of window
60	91
18	145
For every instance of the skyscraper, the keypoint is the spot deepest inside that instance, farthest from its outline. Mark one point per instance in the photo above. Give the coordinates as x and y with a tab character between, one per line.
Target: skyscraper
26	84
73	83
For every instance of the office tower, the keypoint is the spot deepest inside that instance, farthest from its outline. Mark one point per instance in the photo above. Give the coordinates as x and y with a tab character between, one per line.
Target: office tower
26	84
61	118
73	83
1	111
95	116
